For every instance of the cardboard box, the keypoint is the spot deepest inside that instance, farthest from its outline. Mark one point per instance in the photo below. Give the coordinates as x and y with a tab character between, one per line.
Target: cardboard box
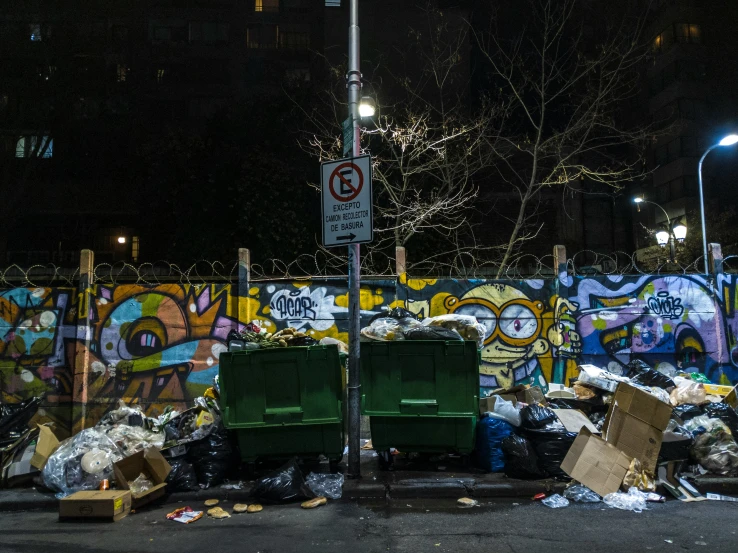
526	394
732	398
487	404
46	445
715	390
595	463
598	378
151	463
574	420
110	504
635	424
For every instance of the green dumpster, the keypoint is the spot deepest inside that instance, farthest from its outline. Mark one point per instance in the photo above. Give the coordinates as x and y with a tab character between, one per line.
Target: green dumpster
421	396
284	401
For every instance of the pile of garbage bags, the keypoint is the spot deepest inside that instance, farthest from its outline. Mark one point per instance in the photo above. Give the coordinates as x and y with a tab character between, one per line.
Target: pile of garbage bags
401	324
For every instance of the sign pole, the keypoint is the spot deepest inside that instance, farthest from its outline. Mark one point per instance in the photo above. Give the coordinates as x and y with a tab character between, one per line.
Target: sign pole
354	268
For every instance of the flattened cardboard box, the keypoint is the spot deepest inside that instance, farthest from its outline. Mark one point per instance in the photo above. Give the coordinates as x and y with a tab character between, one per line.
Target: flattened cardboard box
149	462
595	463
45	446
574	420
641	405
112	504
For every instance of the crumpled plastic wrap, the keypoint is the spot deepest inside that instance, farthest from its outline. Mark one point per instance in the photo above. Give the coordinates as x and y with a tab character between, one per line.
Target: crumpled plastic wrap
555	501
141	484
506	411
714	447
384	329
326	485
328	341
579	493
125	414
81	462
466	325
634	500
132	439
639	478
687	391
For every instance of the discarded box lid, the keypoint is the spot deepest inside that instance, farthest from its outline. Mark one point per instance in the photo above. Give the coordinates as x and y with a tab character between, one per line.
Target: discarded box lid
487	404
46	445
112	504
560	391
595	463
149	462
574	420
633	436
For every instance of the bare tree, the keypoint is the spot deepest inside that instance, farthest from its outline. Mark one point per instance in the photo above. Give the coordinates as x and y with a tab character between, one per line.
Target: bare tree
562	89
428	143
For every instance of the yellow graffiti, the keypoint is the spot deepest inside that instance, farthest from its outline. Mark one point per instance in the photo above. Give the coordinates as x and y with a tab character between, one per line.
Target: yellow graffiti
332	332
417	283
367	300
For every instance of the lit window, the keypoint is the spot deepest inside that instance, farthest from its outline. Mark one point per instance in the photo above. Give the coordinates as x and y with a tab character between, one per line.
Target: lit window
657	42
34	30
160	74
332	3
266	5
134	248
30	146
687	33
122	73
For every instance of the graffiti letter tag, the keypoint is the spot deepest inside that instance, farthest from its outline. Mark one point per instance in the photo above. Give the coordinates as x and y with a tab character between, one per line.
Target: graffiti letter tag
666	306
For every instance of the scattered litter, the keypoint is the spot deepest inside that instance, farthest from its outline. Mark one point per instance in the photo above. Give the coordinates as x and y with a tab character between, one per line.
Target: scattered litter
285	484
669	541
556	501
211	502
700	543
313	503
217	512
367	445
516	504
718	497
236	486
254	508
327	485
467	502
185	515
539	496
240	508
634	500
655	498
580	493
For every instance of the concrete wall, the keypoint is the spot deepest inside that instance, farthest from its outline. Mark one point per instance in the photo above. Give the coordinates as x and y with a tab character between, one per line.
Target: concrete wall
86	348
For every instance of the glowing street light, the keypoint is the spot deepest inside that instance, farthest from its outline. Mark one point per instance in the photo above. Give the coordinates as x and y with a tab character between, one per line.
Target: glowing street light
367	107
121	240
729	140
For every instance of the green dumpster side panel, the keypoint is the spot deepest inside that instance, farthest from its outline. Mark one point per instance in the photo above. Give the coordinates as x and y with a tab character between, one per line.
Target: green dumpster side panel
424	434
281	386
420	378
285	441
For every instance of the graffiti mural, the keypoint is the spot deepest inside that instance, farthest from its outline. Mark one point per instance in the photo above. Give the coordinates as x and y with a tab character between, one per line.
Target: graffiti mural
159	346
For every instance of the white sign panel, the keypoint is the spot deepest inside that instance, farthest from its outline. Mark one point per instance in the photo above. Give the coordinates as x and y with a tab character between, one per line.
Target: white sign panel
347	201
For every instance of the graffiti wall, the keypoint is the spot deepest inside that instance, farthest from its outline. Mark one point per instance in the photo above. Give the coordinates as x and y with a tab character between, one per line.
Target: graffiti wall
160	346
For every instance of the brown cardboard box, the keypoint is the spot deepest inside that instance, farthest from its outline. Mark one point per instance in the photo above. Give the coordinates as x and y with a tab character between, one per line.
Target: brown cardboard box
112	504
732	398
635	424
574	420
526	394
487	404
149	462
45	446
595	463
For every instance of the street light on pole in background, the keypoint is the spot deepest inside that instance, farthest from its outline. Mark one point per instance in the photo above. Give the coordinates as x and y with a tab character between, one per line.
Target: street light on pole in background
729	140
673	233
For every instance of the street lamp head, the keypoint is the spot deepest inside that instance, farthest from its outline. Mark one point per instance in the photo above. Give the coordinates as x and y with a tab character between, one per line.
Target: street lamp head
662	237
121	240
637	199
729	140
680	232
367	107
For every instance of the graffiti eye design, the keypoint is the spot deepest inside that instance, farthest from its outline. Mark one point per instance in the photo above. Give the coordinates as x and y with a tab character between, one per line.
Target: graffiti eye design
483	314
518	322
146	337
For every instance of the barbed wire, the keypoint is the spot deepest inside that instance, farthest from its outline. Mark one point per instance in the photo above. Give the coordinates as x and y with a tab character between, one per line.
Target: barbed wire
37	276
163	272
590	262
467	265
323	264
730	264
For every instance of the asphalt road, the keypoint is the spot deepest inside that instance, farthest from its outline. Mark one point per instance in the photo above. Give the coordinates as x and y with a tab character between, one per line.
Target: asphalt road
412	526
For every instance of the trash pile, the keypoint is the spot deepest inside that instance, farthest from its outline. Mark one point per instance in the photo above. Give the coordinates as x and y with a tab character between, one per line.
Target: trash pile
615	437
401	324
254	337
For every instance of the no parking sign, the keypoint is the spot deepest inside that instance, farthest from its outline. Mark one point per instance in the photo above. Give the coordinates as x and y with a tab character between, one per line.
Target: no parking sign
347	201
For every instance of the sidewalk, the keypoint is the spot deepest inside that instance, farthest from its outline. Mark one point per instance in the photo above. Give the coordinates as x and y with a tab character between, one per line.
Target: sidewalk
374	484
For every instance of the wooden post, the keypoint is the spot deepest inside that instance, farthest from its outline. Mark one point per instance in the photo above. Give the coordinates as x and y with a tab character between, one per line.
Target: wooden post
715	254
244	280
400	261
81	368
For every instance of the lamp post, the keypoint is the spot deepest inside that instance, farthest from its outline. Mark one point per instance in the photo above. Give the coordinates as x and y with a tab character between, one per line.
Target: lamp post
727	141
675	232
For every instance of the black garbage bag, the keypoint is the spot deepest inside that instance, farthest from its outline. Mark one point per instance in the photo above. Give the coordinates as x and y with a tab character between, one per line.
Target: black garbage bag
725	413
536	416
676	445
687	411
551	445
587	406
182	478
395	313
303	341
282	485
646	376
521	460
432	333
14	419
212	457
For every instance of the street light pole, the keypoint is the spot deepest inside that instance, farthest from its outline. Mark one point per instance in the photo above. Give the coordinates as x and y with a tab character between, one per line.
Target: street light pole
727	141
354	278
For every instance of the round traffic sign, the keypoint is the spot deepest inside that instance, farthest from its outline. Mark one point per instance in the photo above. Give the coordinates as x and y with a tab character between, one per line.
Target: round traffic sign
341	183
